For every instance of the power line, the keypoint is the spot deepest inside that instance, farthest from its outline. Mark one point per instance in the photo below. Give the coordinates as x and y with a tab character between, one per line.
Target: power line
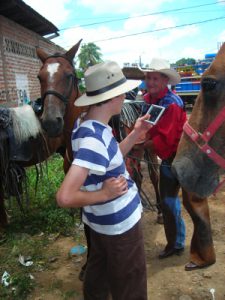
144	15
160	29
105	16
115	18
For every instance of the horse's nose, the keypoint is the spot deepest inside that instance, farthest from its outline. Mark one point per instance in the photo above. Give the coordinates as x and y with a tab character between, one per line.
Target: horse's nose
53	127
208	84
59	121
185	171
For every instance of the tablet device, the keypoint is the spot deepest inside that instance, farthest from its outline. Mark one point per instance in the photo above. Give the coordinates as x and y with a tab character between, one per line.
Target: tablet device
155	112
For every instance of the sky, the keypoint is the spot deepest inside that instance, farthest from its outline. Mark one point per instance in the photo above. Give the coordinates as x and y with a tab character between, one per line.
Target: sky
72	16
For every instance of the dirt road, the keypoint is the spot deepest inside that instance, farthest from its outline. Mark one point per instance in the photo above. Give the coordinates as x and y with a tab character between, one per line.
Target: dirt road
167	279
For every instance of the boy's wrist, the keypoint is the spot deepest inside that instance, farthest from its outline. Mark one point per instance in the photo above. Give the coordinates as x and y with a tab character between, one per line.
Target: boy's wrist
104	195
134	135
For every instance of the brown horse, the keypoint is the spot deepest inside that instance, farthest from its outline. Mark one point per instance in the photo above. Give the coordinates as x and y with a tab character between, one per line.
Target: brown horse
59	90
200	156
58	93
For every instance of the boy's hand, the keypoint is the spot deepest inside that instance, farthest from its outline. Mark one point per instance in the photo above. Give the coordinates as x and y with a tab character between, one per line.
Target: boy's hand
115	187
141	127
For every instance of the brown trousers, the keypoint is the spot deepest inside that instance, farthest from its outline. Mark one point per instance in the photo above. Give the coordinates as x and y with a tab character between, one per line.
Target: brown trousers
116	265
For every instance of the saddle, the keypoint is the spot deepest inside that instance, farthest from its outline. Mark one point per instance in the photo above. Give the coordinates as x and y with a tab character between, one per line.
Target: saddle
17	152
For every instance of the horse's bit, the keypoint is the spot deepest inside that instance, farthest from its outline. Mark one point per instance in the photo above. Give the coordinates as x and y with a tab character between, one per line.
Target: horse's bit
202	141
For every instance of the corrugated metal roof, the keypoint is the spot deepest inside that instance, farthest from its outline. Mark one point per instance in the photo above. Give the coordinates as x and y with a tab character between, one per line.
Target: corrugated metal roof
23	14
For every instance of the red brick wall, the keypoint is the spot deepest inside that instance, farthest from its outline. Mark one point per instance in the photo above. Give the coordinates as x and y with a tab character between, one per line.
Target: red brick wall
18	70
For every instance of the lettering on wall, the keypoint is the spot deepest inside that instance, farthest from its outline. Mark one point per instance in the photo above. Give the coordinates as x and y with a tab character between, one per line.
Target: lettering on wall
18	48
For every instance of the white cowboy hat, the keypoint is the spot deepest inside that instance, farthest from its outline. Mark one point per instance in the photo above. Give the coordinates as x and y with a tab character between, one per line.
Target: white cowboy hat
104	81
162	66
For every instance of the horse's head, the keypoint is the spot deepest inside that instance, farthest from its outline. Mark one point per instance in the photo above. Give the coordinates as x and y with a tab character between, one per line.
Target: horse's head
57	79
195	170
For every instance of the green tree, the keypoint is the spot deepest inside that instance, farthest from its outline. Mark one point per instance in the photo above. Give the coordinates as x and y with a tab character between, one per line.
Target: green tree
80	77
186	61
89	55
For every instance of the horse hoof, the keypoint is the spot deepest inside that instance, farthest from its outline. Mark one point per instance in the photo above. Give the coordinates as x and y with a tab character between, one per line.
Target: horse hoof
191	266
82	273
159	219
3	226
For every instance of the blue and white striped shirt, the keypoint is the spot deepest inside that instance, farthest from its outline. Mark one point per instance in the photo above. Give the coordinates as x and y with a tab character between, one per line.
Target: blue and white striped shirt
95	148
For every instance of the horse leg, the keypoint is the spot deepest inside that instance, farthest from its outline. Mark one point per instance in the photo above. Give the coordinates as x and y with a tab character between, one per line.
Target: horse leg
66	165
153	171
134	166
202	250
3	215
154	176
66	162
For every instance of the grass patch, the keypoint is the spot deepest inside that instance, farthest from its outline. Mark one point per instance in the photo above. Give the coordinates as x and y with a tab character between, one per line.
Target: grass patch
28	233
70	295
42	214
20	276
20	287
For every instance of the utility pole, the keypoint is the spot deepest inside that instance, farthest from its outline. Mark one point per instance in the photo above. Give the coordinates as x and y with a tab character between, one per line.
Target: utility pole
140	63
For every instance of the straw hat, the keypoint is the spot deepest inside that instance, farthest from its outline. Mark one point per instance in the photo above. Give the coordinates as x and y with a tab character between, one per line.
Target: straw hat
162	66
103	82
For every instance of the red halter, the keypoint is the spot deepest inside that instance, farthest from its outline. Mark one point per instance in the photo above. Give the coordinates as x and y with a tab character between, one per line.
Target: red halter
202	140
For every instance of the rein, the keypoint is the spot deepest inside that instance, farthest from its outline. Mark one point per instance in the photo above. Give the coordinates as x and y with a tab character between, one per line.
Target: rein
202	141
60	96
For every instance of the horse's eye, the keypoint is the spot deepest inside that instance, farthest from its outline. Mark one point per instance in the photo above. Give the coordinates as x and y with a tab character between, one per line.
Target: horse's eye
208	84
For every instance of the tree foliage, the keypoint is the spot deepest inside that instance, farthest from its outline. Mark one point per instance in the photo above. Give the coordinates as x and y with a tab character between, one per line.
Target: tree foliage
90	54
186	61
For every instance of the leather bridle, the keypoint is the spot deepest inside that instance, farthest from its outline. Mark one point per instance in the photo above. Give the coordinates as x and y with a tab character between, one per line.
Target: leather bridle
73	83
202	140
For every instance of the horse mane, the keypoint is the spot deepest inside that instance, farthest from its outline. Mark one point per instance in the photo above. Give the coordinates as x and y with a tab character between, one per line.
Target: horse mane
129	113
25	123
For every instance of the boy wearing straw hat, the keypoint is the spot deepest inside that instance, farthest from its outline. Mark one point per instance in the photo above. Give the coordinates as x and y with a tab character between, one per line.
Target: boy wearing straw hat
99	182
163	139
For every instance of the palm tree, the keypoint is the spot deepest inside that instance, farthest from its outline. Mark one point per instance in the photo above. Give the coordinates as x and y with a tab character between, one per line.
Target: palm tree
89	55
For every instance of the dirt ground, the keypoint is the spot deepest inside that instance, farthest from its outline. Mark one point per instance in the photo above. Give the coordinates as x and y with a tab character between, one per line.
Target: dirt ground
167	279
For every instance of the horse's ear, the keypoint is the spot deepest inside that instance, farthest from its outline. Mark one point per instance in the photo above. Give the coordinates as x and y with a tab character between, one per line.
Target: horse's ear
41	54
221	50
70	54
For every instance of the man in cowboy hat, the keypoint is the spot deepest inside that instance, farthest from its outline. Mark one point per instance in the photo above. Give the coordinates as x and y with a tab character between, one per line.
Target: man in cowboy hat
163	139
99	182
